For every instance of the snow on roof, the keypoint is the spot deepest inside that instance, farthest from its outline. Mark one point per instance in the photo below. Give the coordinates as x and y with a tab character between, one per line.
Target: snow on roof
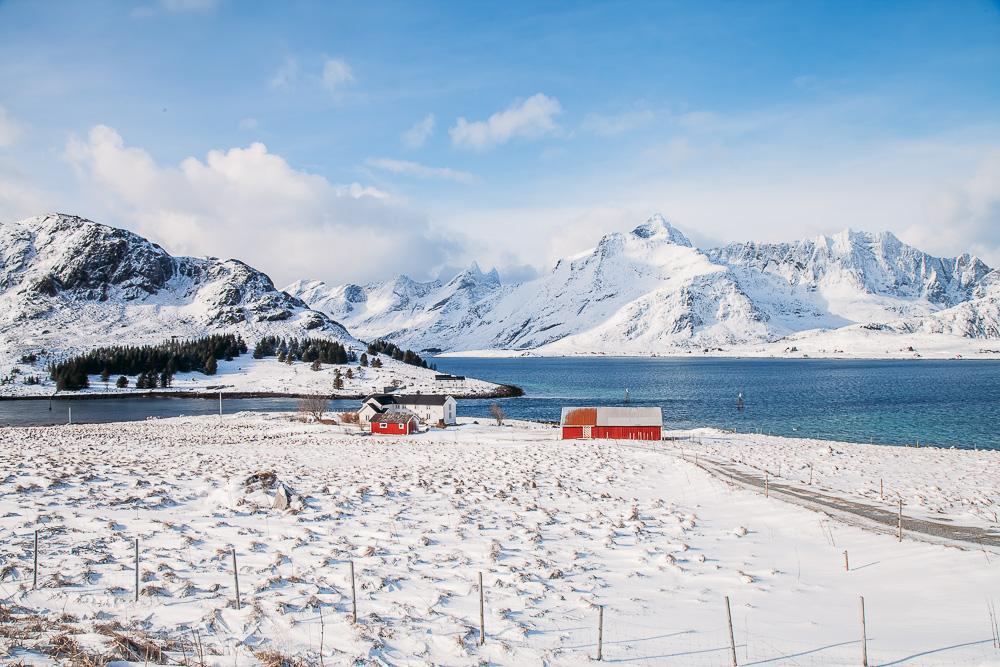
611	416
395	418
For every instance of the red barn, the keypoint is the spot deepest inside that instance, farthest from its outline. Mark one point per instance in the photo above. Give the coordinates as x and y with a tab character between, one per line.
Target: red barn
394	423
612	423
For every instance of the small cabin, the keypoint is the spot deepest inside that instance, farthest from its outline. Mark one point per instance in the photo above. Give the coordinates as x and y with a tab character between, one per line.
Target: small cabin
613	423
394	423
428	408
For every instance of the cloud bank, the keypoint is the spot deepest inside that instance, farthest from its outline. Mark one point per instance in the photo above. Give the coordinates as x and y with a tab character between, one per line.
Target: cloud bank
251	204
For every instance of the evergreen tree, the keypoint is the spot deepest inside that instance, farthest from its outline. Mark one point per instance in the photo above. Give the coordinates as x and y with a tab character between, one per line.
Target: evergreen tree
364	359
122	382
211	366
316	365
349	374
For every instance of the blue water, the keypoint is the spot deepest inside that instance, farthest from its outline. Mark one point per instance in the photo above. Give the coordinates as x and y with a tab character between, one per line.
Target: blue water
941	403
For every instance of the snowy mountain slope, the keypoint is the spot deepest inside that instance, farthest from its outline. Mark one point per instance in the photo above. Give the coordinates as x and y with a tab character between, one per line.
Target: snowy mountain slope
651	291
862	276
68	283
402	308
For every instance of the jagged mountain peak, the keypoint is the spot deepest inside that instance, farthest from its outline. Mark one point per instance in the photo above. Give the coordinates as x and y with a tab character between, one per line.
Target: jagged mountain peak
70	277
657	227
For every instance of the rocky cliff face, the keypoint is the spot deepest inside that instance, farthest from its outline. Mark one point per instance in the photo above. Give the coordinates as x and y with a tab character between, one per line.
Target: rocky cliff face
68	282
651	291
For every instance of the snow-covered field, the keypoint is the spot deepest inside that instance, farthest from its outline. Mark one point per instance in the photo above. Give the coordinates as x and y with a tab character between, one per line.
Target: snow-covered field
246	374
945	485
557	528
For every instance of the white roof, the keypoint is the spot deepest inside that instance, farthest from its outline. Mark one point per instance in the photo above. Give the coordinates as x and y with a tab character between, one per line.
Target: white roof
617	416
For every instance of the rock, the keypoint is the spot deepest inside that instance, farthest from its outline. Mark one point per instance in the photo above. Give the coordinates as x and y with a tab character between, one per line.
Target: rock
260	481
283	498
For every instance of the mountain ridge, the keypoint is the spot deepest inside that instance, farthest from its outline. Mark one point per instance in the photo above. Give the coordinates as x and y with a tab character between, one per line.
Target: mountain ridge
651	291
69	283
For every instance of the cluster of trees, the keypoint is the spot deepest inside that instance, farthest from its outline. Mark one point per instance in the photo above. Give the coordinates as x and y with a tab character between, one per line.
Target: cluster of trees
391	350
154	364
310	350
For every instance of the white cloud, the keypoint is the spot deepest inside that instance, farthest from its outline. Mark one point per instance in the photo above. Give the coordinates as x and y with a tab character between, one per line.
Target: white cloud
610	126
251	204
417	136
10	131
969	211
530	118
336	73
420	170
286	75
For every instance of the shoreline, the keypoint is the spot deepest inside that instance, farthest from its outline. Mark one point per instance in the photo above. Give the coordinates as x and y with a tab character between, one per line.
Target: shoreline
502	391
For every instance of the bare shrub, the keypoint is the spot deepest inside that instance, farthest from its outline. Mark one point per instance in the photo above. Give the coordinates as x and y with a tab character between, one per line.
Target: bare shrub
349	417
497	413
314	406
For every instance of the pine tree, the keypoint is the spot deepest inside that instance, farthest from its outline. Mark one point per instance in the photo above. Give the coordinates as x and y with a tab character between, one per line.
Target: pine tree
349	374
211	366
122	382
316	365
364	359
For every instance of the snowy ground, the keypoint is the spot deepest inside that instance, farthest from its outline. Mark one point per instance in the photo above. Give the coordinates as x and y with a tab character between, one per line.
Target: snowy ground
946	485
555	527
847	343
246	374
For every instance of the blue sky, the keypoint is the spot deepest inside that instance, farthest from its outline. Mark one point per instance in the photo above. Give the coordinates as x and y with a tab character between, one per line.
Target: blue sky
352	142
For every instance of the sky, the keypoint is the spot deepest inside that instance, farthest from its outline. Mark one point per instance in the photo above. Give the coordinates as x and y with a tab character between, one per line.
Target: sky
351	142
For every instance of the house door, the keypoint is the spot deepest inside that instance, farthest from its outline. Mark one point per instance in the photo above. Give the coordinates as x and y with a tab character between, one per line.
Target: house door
587	432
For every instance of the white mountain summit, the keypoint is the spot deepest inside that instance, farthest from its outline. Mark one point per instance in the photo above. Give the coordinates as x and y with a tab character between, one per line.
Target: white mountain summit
69	283
651	291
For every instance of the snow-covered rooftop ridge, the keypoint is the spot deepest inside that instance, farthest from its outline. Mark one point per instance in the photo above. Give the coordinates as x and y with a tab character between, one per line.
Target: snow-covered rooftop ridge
657	227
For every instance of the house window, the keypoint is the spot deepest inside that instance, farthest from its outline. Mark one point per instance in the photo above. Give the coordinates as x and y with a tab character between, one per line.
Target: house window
381	424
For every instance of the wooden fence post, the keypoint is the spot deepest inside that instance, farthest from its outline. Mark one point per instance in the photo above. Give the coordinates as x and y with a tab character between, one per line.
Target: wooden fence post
482	615
864	635
137	569
236	580
847	566
34	572
732	639
766	485
600	633
354	597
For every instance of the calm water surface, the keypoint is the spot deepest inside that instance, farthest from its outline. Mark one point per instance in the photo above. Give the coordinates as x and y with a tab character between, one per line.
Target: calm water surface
942	403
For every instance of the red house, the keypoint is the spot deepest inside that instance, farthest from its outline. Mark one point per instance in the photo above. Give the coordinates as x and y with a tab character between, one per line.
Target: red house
612	423
394	423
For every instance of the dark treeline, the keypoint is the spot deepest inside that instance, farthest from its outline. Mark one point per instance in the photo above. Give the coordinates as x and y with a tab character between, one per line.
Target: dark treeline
154	364
308	350
387	348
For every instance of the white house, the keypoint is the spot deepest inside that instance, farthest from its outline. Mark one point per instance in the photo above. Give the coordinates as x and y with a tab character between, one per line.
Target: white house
428	408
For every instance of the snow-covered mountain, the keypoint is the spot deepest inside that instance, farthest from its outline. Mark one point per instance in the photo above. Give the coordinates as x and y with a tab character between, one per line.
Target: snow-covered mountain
69	283
651	291
402	308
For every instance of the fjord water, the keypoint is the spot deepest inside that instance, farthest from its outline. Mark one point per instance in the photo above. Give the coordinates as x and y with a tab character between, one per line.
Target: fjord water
940	403
904	402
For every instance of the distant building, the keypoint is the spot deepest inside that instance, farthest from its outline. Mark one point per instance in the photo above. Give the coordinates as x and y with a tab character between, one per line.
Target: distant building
612	423
395	423
445	380
428	408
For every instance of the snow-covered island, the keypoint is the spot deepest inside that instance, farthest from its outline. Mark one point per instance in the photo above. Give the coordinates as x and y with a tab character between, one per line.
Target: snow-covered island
650	537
